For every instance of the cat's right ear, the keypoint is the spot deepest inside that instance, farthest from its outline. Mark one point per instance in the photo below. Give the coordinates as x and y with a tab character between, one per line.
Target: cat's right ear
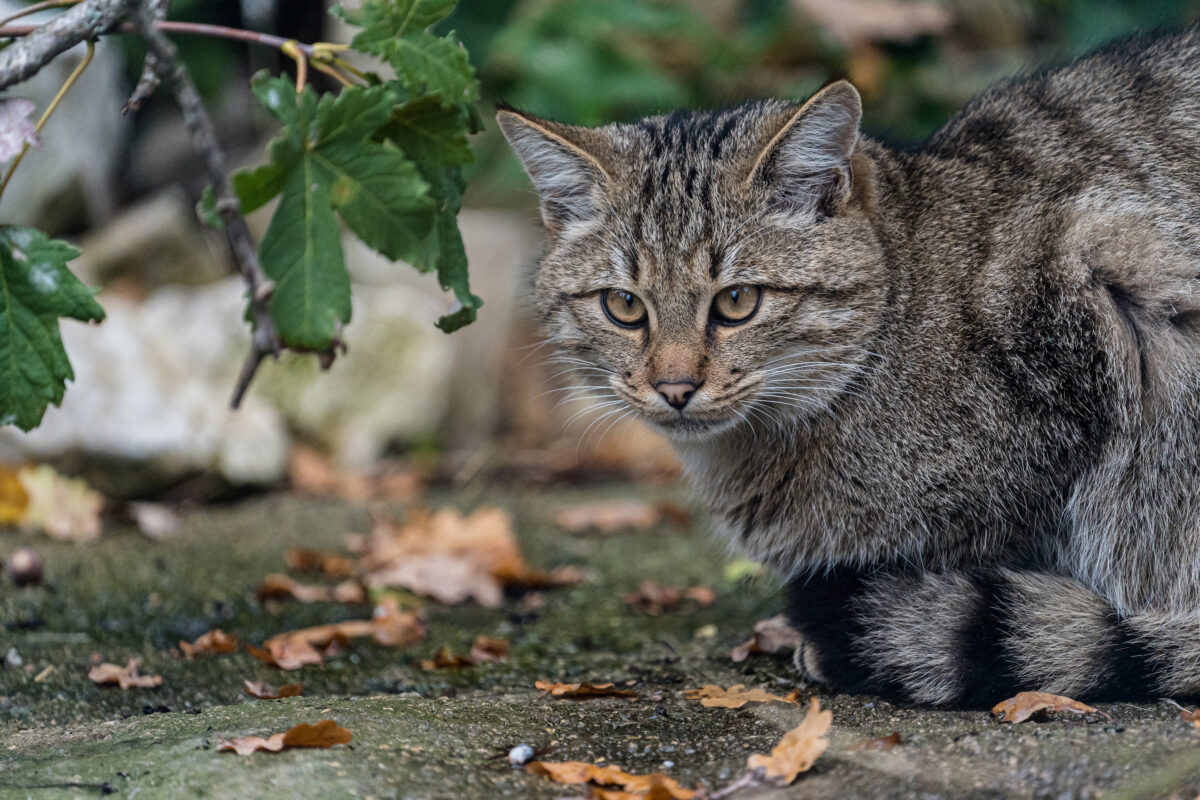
559	159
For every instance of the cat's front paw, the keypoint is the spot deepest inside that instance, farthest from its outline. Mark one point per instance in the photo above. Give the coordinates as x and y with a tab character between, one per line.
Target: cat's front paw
807	661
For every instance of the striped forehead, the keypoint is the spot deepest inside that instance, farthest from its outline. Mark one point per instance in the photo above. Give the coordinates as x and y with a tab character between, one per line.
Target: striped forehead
675	211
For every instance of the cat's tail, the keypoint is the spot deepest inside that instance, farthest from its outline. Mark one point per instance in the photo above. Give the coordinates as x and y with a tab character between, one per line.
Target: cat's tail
975	639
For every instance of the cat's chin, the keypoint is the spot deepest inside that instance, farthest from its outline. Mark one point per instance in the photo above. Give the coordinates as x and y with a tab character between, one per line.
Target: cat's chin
692	429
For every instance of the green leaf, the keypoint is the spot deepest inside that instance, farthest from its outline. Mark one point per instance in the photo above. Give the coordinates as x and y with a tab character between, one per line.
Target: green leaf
383	199
395	30
446	187
36	289
383	20
302	253
430	133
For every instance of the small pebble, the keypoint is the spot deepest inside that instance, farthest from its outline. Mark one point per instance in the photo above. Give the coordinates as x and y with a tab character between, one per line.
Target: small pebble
12	659
25	567
520	755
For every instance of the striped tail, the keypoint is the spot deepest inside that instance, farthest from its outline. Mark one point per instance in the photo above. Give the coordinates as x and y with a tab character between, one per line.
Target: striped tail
974	639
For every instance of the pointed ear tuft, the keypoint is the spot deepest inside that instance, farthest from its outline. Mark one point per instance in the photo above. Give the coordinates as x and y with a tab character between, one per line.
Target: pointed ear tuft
566	175
806	164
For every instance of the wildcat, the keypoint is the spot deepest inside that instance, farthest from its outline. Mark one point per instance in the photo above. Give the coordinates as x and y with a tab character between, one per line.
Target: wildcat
953	392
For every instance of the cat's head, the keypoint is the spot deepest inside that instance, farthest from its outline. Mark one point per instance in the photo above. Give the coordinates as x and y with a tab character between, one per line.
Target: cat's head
709	269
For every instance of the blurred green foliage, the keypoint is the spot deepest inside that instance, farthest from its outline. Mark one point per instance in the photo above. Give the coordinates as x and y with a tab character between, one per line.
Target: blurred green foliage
592	61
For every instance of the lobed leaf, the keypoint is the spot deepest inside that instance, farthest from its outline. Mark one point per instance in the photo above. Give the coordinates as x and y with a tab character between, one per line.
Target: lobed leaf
36	289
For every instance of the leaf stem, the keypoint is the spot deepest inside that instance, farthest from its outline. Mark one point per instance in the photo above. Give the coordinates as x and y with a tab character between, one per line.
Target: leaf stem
36	7
291	49
41	123
195	28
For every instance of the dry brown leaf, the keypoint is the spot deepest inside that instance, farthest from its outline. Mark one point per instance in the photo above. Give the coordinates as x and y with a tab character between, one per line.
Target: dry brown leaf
313	473
215	642
735	696
452	558
880	743
1025	704
66	509
264	691
652	599
126	677
613	516
301	559
325	733
1190	716
388	626
483	651
798	749
770	636
14	500
656	785
584	689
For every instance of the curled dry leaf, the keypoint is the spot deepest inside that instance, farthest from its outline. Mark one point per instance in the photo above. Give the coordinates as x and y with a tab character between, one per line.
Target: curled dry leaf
215	642
452	558
799	748
584	689
656	785
1190	716
770	636
620	515
66	509
880	743
331	565
126	677
313	473
735	696
264	691
484	650
276	587
325	733
388	626
1026	704
652	599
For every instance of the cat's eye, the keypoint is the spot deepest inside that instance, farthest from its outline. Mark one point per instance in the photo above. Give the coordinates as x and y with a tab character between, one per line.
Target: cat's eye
623	308
736	304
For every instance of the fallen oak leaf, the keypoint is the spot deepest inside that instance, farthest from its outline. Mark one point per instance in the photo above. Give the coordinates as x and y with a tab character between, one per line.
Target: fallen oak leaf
574	772
126	677
324	734
735	696
652	599
1025	704
388	626
215	642
799	748
66	509
484	650
264	691
1190	716
620	515
301	559
282	587
770	636
880	743
287	654
14	500
582	689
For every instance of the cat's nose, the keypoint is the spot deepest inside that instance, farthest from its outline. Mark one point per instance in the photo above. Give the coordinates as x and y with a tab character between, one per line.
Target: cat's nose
677	394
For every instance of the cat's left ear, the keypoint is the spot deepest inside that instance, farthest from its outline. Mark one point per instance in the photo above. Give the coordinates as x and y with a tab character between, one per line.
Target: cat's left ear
806	164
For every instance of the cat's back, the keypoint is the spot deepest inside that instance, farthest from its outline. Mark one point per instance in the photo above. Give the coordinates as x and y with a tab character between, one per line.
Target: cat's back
1130	111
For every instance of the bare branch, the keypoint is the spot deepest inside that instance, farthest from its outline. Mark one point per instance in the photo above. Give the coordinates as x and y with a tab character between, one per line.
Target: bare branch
148	82
265	340
87	20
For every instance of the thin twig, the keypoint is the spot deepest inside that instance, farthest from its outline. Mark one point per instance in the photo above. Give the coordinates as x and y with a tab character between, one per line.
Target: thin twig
264	340
35	8
169	26
41	43
148	82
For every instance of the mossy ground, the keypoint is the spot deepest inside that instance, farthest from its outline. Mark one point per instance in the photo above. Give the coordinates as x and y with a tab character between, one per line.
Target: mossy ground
445	733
